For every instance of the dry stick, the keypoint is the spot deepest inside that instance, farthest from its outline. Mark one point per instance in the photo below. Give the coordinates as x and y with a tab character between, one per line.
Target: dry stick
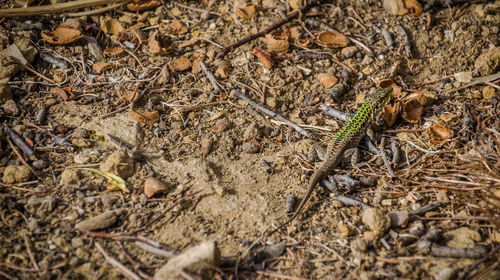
20	143
201	106
406	40
154	250
273	114
16	186
52	9
196	9
133	55
474	266
384	158
18	154
123	269
1	272
280	276
291	16
38	74
210	77
28	248
99	11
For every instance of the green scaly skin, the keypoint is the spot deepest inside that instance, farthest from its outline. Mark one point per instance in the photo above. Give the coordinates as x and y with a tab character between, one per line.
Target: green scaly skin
347	137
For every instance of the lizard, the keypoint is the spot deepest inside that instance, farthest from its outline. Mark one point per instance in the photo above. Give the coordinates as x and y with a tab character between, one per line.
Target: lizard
347	138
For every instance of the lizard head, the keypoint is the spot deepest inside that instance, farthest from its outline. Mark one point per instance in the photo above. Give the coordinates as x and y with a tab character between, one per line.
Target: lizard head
379	98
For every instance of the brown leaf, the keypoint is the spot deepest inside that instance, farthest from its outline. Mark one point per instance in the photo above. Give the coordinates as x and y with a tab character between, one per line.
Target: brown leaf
101	67
127	95
276	46
177	27
155	46
196	67
305	42
180	64
62	36
326	80
114	52
148	118
110	26
395	7
264	57
222	70
332	39
61	93
153	186
140	36
390	113
206	145
247	12
438	132
414	8
295	4
187	43
412	111
142	5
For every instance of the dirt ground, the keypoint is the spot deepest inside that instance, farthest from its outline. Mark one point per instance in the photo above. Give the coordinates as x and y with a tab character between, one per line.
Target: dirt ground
127	96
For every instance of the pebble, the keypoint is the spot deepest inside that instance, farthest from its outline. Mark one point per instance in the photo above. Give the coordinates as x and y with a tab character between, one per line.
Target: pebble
222	125
251	132
154	186
119	163
345	230
10	107
399	218
462	238
488	62
197	262
16	174
70	177
377	221
349	52
206	146
40	164
446	273
250	148
101	221
359	245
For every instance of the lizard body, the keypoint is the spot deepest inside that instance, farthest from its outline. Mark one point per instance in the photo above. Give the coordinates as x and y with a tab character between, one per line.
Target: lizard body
348	137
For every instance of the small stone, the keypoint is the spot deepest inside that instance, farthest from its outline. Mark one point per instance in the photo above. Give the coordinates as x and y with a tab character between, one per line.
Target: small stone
153	186
219	190
386	202
271	102
488	62
399	218
359	245
349	52
41	205
251	132
33	224
40	164
198	262
488	92
337	203
377	221
5	93
206	146
119	163
442	197
101	221
16	174
81	133
345	231
70	177
10	107
326	80
446	273
250	148
221	125
76	242
462	238
81	143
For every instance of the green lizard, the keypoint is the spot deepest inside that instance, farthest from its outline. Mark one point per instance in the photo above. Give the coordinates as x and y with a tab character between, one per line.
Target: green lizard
348	137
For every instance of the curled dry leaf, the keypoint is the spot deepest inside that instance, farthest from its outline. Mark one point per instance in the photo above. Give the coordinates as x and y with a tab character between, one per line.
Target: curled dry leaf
154	186
403	7
180	64
396	90
332	39
114	52
305	42
62	36
390	113
140	36
247	12
274	45
412	111
137	6
425	98
222	70
264	57
438	132
111	26
148	118
127	95
155	45
61	93
177	27
326	80
101	67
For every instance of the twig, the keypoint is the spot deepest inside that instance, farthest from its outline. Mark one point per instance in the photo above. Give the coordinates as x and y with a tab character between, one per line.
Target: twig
99	11
1	272
201	106
20	143
479	80
429	207
116	111
465	273
154	250
274	115
280	276
133	55
363	46
210	77
291	16
335	113
23	161
123	269
28	248
406	40
384	158
196	9
17	186
52	9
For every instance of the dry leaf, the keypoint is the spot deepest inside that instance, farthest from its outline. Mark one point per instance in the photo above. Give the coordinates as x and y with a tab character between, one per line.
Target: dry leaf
326	80
153	186
413	6
177	27
114	52
264	57
179	64
395	7
276	46
332	39
247	12
412	111
222	70
101	67
140	36
187	43
305	42
424	98
111	26
390	113
206	145
294	33
295	4
62	36
127	95
61	93
115	182
148	118
155	46
143	5
196	67
438	132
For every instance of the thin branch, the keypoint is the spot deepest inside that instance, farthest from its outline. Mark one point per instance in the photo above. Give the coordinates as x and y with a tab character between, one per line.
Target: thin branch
123	269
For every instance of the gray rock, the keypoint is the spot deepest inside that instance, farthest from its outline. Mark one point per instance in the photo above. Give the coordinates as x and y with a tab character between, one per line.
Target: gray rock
101	221
399	218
